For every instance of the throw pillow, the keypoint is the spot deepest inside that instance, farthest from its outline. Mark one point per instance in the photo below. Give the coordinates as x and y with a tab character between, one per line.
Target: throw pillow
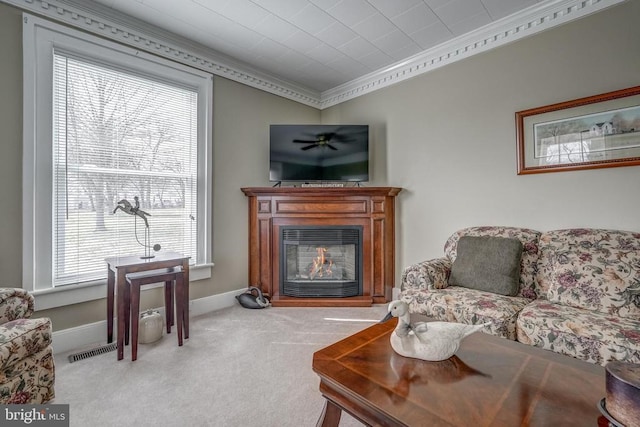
488	263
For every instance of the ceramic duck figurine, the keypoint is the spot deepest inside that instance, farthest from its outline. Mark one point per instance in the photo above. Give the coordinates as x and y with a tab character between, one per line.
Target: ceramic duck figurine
432	341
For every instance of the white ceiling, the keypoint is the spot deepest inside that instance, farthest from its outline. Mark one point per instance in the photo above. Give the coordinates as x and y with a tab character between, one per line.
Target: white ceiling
316	52
319	44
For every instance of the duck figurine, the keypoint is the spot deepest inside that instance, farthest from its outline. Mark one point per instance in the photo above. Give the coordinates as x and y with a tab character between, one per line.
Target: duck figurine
432	341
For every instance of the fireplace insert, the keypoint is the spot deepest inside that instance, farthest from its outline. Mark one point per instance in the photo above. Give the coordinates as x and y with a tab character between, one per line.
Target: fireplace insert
321	261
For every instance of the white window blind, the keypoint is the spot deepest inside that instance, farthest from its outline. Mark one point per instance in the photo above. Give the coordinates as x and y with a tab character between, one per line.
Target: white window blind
119	134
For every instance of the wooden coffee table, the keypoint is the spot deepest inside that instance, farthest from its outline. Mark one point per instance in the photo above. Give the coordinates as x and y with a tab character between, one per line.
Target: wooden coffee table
490	381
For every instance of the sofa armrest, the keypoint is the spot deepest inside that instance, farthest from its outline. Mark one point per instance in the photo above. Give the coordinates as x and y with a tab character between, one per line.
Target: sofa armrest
22	338
431	274
15	303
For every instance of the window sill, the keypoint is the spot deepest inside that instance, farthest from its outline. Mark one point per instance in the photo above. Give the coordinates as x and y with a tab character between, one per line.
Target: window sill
74	294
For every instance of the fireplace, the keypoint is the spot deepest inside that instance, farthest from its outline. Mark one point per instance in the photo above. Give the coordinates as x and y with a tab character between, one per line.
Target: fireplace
321	261
369	210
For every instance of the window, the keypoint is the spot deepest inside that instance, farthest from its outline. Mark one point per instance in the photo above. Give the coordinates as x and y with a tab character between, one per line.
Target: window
105	126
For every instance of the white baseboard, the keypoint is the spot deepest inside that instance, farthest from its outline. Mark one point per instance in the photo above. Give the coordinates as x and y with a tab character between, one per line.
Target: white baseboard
93	334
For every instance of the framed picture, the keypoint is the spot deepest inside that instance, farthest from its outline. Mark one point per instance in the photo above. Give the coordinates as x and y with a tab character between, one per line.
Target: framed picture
594	132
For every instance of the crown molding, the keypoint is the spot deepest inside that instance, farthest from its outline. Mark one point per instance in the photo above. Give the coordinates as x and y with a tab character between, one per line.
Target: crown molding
540	17
107	22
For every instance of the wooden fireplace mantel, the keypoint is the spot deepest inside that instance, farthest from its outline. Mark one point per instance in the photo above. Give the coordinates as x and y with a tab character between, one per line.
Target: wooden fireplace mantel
373	208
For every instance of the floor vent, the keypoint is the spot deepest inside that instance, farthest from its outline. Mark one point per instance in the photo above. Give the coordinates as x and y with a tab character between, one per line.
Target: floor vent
92	352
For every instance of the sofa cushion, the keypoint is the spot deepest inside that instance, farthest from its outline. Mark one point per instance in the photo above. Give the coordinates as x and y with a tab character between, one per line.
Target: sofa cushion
462	305
583	334
592	269
528	264
488	263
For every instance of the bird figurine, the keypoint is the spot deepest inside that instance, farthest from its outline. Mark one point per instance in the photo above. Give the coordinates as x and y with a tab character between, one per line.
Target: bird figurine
432	341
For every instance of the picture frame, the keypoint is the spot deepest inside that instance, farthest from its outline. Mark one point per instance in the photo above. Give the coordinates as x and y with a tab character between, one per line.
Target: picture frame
597	131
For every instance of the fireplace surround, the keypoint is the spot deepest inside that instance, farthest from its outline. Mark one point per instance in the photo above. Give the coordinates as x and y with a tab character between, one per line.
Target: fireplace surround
368	209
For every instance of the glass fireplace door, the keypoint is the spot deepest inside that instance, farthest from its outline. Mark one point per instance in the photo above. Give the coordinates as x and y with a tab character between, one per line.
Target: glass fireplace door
321	261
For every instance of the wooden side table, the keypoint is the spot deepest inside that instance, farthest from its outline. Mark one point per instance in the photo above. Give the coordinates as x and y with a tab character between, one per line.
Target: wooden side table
173	279
117	269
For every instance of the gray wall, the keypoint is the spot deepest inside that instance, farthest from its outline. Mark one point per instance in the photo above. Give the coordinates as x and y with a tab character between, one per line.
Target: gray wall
10	147
448	137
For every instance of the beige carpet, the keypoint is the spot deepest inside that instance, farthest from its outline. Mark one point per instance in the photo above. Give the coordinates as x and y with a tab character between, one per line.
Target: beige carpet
239	367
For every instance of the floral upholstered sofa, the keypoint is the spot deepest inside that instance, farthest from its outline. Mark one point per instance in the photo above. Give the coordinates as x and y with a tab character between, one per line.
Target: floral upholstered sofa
578	292
26	355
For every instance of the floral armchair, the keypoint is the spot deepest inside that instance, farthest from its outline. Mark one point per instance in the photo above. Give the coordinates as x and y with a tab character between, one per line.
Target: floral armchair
26	356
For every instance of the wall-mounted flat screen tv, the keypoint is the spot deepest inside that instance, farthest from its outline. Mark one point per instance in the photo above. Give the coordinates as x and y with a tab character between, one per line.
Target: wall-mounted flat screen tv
312	153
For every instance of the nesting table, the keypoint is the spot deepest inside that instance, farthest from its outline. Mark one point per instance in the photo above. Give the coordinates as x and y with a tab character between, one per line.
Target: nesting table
118	268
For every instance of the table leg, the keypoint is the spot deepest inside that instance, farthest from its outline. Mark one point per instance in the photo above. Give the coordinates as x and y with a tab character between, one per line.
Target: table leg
185	296
122	312
111	288
168	304
179	292
135	313
330	416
